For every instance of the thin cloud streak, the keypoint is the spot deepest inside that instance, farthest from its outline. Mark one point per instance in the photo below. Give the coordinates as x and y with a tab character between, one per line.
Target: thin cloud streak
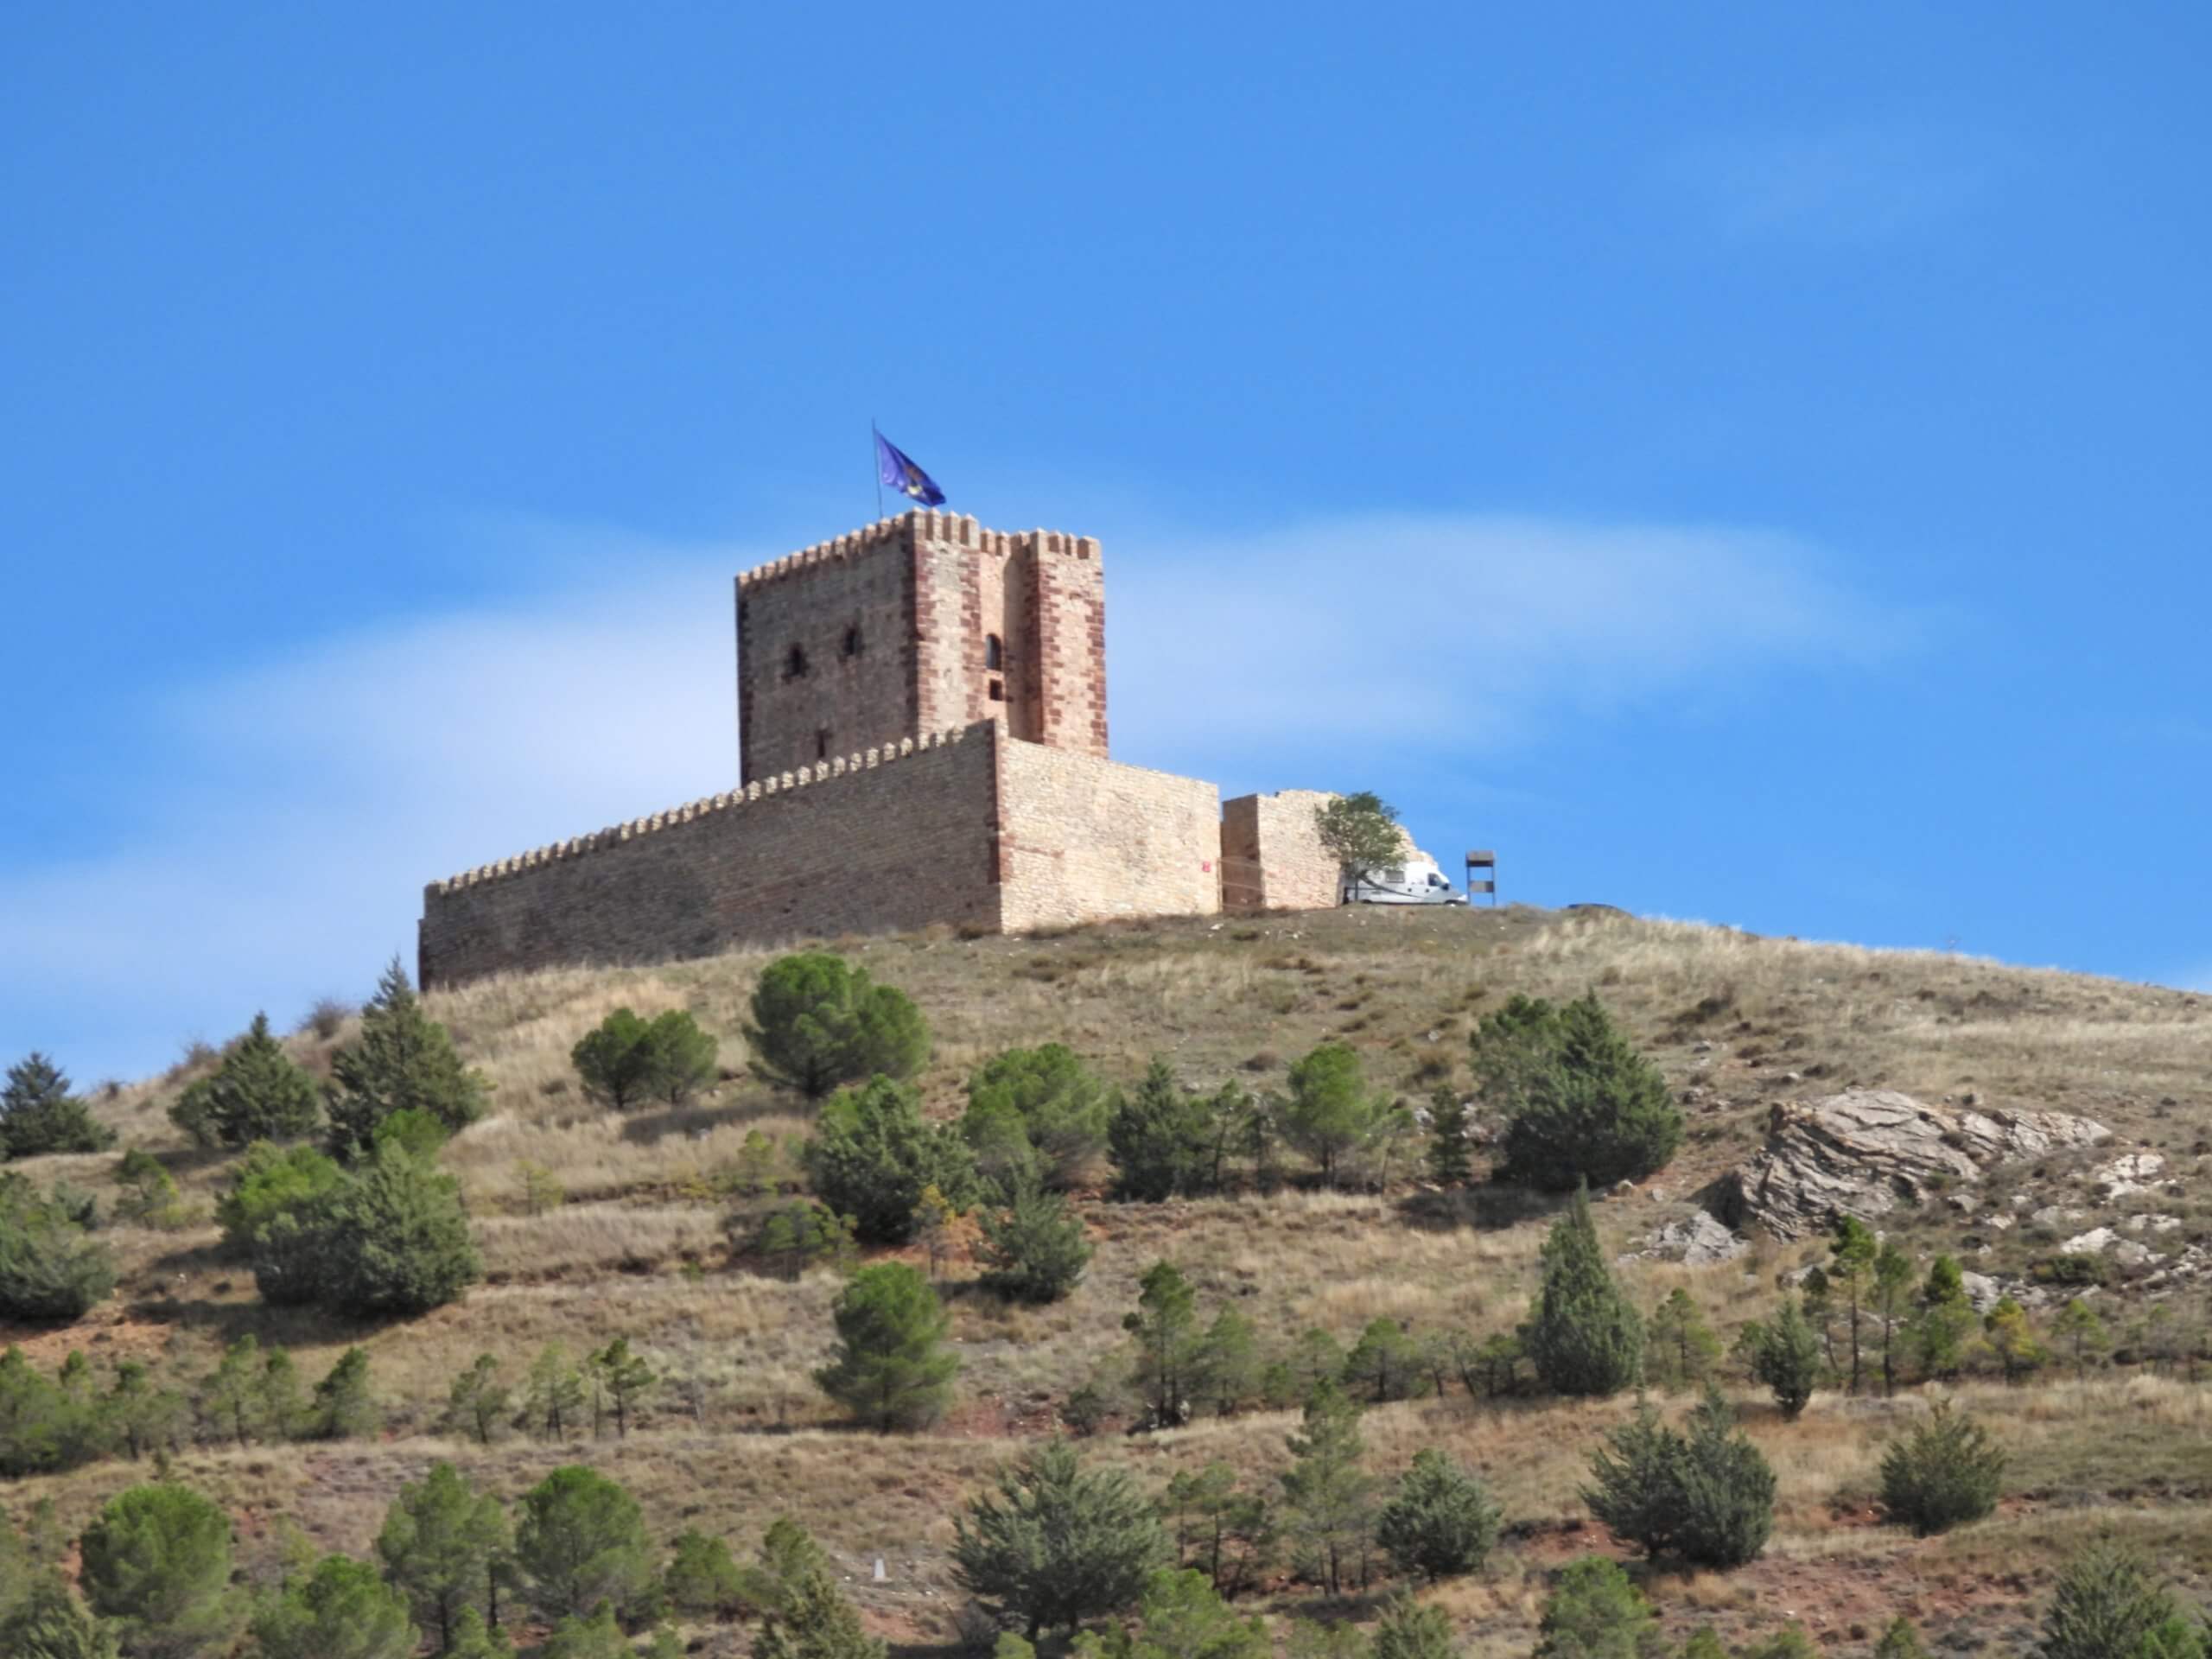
1865	181
290	812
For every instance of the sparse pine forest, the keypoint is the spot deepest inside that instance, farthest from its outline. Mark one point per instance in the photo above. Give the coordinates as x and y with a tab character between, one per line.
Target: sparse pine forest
1343	1285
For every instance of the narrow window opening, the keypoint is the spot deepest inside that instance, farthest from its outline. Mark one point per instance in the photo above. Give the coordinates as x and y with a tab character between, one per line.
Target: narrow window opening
998	690
853	640
795	664
994	653
822	744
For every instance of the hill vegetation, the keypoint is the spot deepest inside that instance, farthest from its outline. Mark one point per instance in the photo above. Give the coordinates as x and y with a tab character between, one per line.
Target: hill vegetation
646	1260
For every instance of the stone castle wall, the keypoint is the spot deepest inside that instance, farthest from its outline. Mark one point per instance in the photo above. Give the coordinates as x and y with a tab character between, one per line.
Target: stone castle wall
1272	856
1083	839
878	842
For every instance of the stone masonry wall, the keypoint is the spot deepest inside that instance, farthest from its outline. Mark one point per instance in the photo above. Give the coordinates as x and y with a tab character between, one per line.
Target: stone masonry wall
876	842
1084	839
1272	856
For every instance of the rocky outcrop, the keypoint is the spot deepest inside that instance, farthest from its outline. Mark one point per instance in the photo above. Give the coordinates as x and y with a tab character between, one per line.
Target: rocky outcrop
1863	1152
1695	1241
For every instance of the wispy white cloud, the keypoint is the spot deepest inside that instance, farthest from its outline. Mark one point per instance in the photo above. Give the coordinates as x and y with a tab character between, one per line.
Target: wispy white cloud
1858	182
278	850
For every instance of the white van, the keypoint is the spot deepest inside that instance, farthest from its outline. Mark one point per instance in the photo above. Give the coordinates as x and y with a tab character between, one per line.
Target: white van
1418	881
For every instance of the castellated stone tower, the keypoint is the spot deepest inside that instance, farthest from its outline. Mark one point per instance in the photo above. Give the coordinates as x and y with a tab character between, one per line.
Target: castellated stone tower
917	624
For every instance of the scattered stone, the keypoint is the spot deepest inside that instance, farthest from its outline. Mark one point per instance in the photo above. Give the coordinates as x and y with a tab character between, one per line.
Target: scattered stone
1983	1293
1861	1152
2052	1216
2152	1224
2125	1176
1998	1224
1695	1241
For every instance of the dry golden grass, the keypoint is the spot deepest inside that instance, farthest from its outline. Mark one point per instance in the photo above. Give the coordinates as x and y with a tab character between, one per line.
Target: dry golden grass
1735	1022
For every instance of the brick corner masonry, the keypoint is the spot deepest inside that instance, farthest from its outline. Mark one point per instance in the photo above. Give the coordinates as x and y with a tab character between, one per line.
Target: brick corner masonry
1008	816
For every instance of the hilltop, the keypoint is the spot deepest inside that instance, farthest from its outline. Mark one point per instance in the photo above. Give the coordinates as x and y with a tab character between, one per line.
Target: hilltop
636	1246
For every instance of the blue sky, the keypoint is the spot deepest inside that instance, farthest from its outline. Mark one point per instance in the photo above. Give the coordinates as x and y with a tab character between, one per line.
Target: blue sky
1741	462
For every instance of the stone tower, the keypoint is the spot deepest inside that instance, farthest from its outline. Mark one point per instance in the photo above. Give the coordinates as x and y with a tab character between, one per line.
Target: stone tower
914	625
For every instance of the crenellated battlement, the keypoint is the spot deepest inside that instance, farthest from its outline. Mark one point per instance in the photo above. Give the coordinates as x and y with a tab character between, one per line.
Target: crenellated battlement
946	529
615	834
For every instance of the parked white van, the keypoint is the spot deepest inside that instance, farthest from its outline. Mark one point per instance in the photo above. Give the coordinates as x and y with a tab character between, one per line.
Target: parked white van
1417	881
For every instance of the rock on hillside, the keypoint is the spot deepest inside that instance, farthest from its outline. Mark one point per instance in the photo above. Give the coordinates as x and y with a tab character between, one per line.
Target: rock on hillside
1859	1153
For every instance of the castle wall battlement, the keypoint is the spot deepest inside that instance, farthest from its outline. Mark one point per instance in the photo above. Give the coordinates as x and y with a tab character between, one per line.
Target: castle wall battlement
953	528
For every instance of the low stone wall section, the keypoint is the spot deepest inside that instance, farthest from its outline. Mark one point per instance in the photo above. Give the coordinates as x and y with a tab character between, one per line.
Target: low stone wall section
1086	839
879	841
1272	856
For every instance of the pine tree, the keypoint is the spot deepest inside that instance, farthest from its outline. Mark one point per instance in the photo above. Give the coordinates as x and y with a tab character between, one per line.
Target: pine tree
2108	1606
1441	1523
1220	1527
1786	1356
553	1395
818	1022
1226	1367
873	1152
1061	1106
257	1093
2012	1340
473	1639
580	1541
1385	1362
1891	1294
2078	1327
1035	1249
234	1400
283	1406
598	1636
703	1580
443	1544
1164	1326
51	1622
1637	1479
1726	1509
1583	1336
38	1114
1450	1161
1058	1543
397	1239
625	1377
1327	1498
1946	1471
890	1368
1944	1324
1409	1630
1681	1350
1589	1108
402	1061
1330	1112
157	1561
1900	1641
1181	1616
1163	1140
52	1270
816	1623
341	1610
1851	1255
625	1061
345	1407
478	1402
1595	1611
144	1418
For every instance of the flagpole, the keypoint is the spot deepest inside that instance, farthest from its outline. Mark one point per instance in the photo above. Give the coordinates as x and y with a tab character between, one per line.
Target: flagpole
875	466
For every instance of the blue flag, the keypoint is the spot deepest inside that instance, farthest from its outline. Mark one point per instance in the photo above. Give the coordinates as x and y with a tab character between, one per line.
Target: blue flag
904	476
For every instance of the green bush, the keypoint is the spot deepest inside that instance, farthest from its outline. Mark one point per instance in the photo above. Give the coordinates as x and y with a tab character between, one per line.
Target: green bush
818	1023
146	1193
1584	1105
402	1061
1785	1355
890	1368
157	1561
1408	1629
397	1239
2108	1605
51	1269
1441	1523
270	1182
1583	1336
51	1622
1059	1103
703	1580
1034	1250
256	1094
815	1622
38	1114
1058	1543
581	1541
345	1407
626	1061
1180	1616
793	1237
1945	1471
873	1152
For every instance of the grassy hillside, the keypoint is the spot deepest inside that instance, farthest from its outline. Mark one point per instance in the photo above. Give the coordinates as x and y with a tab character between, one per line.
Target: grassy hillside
1736	1023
